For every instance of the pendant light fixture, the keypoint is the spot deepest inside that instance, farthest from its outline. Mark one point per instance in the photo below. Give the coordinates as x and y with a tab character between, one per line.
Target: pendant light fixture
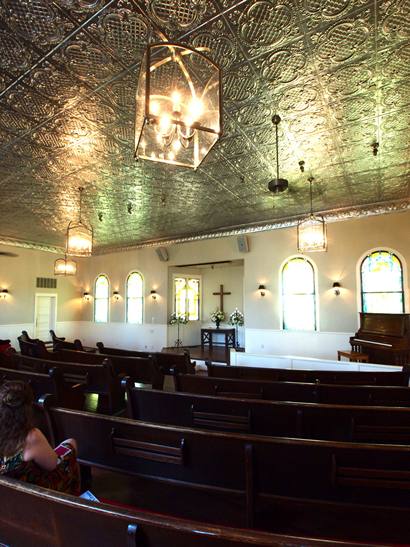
178	105
65	266
277	185
312	230
79	236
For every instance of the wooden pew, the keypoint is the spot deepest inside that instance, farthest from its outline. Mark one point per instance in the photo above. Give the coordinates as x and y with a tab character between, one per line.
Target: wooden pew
32	348
168	361
270	483
144	370
99	379
274	418
315	376
52	381
39	517
294	391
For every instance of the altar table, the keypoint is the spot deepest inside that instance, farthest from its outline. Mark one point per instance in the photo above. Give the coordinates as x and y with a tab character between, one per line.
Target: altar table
207	335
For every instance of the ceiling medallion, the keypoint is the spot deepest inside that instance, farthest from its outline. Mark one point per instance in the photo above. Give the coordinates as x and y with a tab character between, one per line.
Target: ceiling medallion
178	105
65	266
277	185
79	236
312	230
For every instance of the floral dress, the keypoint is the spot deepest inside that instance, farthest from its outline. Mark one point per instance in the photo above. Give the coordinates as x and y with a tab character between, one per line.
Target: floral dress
64	478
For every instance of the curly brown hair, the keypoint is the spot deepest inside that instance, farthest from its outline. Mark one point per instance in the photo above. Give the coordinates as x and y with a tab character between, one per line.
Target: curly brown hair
16	408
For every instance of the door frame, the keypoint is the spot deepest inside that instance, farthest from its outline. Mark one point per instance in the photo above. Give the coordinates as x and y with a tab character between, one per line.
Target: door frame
49	294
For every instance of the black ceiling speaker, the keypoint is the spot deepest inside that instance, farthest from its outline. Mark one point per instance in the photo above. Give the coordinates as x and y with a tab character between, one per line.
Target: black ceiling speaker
277	185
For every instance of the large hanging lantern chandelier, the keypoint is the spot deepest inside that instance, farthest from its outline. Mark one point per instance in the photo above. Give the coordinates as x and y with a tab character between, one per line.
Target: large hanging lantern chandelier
178	105
312	230
79	236
65	266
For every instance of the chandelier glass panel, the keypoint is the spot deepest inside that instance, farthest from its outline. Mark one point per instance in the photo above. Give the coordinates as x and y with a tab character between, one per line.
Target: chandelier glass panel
312	230
65	266
178	105
79	236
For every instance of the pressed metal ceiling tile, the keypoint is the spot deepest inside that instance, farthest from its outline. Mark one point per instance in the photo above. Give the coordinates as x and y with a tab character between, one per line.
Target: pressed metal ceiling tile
337	72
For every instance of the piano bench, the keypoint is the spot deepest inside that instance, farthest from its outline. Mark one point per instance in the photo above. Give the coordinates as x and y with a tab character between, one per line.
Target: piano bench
353	356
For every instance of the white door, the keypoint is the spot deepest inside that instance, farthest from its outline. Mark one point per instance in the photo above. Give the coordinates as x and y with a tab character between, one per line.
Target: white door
45	316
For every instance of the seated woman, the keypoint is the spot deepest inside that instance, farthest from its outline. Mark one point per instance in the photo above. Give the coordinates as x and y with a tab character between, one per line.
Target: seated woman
25	453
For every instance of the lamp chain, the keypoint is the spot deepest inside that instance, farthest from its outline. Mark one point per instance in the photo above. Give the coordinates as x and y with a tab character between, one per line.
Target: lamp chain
311	179
81	201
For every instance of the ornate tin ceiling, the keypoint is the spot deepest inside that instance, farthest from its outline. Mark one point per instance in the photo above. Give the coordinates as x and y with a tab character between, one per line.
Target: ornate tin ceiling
337	72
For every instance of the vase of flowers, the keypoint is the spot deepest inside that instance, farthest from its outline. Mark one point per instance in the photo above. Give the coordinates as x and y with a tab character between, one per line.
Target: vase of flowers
216	317
236	318
178	319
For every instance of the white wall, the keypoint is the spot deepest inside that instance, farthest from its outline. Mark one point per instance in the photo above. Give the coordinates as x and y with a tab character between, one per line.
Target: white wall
348	241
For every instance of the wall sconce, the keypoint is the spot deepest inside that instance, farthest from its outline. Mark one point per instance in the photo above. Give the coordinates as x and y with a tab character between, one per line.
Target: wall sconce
116	296
154	294
262	290
336	288
4	293
86	297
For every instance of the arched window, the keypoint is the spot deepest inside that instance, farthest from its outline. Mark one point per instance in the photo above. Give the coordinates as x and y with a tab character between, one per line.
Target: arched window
101	299
381	281
135	298
299	295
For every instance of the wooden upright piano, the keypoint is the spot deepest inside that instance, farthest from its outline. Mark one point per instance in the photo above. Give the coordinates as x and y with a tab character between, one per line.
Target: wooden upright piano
385	337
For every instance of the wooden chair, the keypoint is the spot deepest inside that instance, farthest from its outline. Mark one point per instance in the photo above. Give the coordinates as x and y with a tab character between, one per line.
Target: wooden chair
355	356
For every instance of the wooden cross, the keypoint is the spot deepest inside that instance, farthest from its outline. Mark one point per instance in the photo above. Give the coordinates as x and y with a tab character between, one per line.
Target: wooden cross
221	294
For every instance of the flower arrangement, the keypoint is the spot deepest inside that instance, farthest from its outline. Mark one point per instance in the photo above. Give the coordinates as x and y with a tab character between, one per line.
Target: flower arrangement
178	319
217	316
236	318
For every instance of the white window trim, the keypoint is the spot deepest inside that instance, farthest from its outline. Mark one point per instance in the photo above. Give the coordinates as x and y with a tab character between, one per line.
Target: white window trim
317	299
126	297
188	276
358	277
109	299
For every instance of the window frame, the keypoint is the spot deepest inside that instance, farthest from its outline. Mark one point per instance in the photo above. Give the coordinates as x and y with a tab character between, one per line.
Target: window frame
187	277
108	298
402	263
142	298
315	293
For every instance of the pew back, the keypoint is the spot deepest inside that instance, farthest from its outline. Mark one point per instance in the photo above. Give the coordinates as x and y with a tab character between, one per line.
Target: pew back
274	418
39	517
144	370
262	481
315	376
294	391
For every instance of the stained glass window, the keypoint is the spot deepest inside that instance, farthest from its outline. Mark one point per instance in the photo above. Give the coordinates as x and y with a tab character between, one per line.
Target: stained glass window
134	298
299	295
186	297
101	299
381	277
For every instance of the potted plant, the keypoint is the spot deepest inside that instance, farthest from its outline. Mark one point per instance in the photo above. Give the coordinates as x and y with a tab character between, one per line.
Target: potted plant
216	317
178	319
236	318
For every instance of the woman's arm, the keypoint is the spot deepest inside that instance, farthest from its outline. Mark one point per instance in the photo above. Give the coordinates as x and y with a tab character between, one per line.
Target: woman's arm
39	450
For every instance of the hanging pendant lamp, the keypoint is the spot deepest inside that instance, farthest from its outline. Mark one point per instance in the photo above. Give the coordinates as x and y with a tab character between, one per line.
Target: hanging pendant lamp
79	236
277	185
178	105
312	230
65	266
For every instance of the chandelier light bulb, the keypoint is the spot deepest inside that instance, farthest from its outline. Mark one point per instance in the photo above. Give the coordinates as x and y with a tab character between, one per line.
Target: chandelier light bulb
176	110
